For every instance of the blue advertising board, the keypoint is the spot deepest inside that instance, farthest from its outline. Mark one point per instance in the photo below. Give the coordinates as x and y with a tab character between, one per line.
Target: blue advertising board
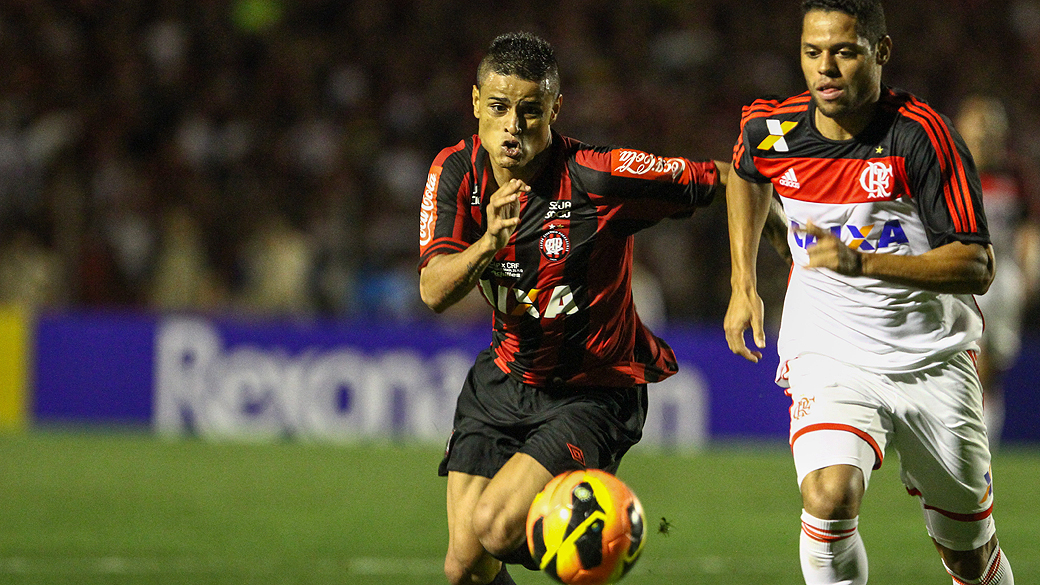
343	381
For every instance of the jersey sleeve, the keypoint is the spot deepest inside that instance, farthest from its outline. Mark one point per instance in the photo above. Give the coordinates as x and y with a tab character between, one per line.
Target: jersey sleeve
943	180
743	161
445	224
637	185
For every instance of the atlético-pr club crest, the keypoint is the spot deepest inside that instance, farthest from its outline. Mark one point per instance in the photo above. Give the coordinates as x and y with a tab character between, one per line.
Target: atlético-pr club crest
555	246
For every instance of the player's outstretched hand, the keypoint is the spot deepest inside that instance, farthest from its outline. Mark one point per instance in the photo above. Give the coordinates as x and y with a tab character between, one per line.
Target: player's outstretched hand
830	252
745	310
503	211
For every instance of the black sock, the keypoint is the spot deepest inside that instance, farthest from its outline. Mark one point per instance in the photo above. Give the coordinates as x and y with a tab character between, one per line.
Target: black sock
520	556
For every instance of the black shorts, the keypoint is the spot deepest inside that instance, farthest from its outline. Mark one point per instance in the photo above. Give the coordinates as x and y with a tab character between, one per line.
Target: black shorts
563	428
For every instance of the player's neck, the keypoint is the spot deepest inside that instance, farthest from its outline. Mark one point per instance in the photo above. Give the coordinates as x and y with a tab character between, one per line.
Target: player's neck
845	127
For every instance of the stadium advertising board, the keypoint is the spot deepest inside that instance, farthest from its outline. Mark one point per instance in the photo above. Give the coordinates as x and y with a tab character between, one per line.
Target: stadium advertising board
13	364
224	378
342	383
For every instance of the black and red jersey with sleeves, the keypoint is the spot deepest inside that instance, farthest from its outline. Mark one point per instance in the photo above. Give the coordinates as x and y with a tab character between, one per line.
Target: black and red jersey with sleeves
561	288
909	150
904	185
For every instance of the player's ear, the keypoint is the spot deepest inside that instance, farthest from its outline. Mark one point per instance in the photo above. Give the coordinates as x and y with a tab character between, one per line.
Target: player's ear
884	50
476	102
556	109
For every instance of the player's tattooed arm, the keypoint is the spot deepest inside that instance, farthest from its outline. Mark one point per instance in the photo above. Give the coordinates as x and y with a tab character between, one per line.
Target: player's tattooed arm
448	278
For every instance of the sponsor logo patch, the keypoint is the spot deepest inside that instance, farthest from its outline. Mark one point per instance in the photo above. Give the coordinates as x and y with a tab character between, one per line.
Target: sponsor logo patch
559	210
989	487
428	210
516	301
506	269
864	238
777	131
635	163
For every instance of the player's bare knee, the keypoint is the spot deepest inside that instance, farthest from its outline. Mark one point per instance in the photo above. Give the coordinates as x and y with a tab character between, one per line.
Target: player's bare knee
830	502
969	564
497	531
501	537
483	519
829	495
456	572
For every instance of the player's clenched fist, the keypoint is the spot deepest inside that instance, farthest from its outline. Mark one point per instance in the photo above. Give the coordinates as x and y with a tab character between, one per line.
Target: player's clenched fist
830	252
503	211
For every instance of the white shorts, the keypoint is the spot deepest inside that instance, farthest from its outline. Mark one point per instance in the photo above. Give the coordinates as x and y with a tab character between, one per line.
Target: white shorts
841	414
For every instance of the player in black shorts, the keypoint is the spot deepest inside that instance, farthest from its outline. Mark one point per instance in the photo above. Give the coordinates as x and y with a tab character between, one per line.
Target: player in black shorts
498	416
542	224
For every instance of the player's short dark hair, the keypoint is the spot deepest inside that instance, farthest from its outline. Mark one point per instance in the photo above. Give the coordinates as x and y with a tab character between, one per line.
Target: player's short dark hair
523	55
869	15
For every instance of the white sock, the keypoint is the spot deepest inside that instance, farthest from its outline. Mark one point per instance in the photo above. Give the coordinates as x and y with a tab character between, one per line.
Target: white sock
832	552
998	572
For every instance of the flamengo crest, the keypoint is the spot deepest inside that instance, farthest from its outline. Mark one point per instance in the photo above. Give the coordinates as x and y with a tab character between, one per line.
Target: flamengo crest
876	180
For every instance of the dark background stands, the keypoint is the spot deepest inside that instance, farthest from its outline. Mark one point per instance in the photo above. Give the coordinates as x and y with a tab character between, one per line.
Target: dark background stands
268	157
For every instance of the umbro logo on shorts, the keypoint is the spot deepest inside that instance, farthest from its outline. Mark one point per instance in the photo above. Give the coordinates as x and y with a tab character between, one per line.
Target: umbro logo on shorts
577	454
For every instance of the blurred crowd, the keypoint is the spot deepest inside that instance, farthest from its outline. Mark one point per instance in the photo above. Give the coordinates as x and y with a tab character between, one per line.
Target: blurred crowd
269	156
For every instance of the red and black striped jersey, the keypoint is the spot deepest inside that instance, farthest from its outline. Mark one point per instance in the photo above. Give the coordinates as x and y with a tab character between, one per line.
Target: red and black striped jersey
904	185
561	289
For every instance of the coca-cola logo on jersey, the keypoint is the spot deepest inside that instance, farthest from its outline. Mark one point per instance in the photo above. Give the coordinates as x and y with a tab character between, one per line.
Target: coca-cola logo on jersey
428	210
876	180
555	246
638	163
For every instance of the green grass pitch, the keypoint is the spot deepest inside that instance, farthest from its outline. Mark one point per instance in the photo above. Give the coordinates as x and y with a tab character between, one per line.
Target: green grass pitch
126	508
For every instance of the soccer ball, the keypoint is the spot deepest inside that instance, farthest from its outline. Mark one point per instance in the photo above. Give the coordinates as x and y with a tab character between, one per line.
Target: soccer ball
585	528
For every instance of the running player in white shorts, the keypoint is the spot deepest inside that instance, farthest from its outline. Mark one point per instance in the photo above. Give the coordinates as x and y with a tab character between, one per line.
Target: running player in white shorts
889	243
844	415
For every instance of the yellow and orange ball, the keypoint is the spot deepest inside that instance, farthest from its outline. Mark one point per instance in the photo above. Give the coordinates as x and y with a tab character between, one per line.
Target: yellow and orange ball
586	528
